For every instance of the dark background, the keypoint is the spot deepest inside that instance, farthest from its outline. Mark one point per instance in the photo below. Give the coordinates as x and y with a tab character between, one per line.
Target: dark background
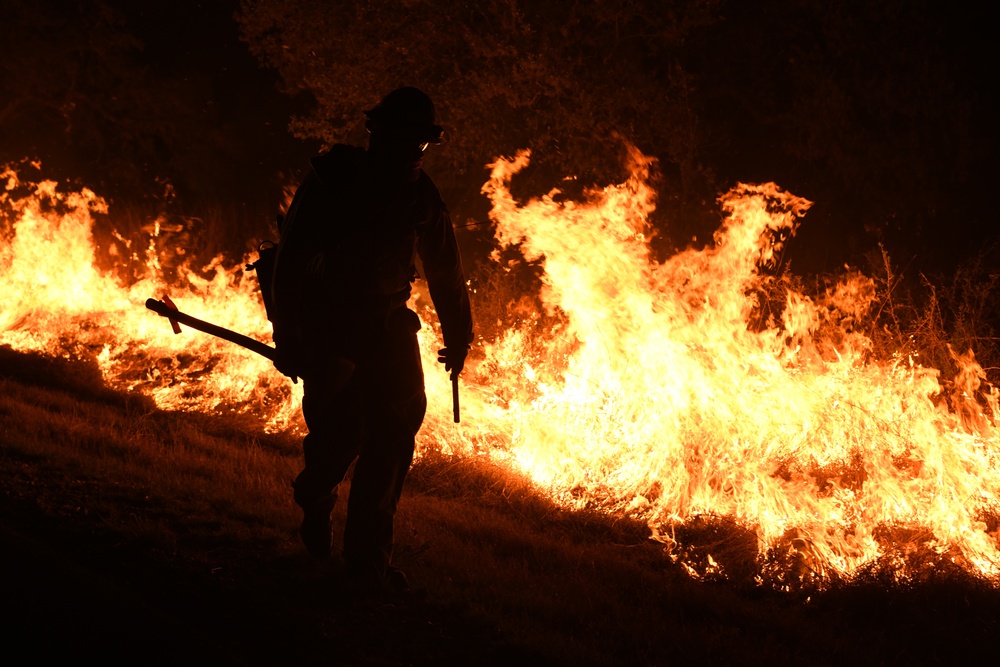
879	112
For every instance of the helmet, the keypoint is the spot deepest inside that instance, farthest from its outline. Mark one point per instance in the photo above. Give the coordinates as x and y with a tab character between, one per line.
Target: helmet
410	112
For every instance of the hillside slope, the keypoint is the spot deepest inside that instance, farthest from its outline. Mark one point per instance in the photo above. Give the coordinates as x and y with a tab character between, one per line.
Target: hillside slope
135	535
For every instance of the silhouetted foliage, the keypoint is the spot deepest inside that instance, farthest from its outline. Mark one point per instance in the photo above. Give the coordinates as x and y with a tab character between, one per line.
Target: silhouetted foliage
79	91
566	79
878	111
107	91
867	108
871	109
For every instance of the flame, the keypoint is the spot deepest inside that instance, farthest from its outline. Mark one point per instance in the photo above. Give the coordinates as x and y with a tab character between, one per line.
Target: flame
653	389
54	299
657	399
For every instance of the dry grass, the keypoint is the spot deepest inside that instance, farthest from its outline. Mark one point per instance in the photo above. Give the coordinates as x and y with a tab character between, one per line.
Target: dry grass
186	478
508	577
936	317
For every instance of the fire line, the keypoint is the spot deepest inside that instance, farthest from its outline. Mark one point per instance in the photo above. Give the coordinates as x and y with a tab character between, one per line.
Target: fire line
636	387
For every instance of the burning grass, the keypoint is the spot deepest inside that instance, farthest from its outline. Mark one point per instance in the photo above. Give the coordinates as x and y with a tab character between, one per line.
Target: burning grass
708	386
763	432
193	514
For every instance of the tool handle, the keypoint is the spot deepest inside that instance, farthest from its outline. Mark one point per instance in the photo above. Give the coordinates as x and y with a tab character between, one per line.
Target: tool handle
454	397
163	309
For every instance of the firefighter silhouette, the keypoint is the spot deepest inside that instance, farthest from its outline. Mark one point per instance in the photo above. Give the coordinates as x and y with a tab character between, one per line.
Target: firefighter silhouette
342	278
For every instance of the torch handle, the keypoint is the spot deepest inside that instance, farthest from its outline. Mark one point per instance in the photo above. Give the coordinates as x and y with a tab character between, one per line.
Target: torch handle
454	397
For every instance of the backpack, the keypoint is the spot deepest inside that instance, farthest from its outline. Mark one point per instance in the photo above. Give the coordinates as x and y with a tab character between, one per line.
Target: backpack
267	253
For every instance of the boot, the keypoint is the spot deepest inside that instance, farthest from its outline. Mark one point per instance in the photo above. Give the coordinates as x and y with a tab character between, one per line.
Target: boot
316	530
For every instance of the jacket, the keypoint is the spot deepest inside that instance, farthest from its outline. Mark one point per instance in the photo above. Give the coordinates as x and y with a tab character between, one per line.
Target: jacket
348	251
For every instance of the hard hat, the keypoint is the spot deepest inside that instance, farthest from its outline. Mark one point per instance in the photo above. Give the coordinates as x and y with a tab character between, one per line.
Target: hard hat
408	111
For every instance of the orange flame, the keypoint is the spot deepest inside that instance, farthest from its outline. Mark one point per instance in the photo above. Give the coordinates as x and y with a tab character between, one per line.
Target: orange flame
654	397
53	299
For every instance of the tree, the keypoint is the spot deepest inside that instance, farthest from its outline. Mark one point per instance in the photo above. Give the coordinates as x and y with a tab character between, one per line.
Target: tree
104	92
868	108
568	79
67	80
875	110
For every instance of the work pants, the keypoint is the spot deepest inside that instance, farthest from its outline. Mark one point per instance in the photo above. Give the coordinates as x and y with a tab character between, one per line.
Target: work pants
372	416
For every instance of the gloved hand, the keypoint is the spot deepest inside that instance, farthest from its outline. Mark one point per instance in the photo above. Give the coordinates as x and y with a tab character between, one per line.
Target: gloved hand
453	359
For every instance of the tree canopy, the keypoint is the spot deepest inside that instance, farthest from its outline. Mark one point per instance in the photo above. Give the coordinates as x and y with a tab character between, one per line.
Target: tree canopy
565	79
105	91
879	111
869	108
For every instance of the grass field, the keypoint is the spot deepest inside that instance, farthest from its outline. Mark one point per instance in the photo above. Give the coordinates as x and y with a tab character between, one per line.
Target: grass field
147	537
